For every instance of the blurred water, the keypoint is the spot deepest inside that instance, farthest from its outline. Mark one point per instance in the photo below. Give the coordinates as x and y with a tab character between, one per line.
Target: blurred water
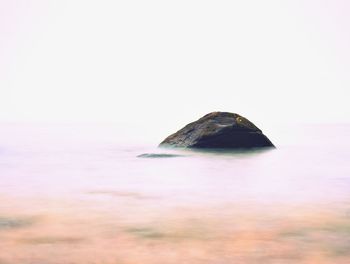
66	184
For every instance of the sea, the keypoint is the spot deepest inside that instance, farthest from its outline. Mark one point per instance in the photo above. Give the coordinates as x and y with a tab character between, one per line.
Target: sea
87	194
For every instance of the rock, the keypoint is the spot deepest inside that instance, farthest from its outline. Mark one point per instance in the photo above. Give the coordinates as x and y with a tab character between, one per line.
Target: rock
219	130
159	155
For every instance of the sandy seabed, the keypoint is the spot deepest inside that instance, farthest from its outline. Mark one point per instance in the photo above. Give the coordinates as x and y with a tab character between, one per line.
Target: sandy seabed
132	228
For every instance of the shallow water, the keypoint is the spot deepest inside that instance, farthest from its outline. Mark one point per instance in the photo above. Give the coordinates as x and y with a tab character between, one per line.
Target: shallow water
70	196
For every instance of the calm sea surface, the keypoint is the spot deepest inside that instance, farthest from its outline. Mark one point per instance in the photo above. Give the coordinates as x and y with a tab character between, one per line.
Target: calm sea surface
71	194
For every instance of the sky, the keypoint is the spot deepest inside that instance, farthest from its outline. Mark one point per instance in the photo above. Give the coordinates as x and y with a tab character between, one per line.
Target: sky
166	63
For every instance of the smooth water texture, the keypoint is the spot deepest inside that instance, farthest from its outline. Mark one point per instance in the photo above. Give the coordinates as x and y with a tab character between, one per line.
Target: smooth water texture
71	194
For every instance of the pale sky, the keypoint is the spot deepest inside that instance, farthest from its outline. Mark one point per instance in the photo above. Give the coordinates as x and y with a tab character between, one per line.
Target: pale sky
161	62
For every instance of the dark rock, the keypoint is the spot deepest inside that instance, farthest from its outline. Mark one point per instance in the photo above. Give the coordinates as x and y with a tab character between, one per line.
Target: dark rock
219	130
158	155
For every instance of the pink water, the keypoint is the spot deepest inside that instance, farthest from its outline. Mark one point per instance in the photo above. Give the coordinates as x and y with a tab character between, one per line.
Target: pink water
69	195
